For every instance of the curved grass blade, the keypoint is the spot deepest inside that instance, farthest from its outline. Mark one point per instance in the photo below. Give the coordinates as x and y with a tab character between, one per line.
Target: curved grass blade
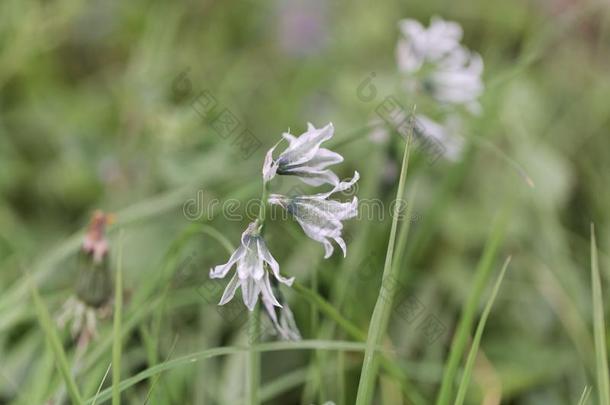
230	350
474	348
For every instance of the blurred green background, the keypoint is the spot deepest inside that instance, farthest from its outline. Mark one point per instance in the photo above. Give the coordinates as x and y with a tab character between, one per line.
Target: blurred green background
96	111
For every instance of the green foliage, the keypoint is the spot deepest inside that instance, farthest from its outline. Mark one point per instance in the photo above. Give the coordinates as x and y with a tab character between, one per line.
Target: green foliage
96	112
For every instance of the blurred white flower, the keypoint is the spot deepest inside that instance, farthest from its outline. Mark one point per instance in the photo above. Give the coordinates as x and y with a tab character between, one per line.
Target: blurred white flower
83	317
434	61
305	158
444	139
282	318
251	275
420	45
459	81
320	217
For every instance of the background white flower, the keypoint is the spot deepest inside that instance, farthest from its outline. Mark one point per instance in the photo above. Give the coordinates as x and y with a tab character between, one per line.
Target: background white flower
420	45
445	137
434	61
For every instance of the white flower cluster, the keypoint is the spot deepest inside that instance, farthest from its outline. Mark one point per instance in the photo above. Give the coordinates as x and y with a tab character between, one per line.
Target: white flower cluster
433	62
258	273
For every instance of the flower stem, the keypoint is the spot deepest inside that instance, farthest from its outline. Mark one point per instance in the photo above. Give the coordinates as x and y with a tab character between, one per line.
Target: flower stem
253	356
262	210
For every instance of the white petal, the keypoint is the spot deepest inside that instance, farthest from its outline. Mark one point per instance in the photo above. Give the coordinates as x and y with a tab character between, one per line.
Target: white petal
269	167
267	292
250	265
319	235
342	245
289	137
324	158
221	270
270	308
328	248
273	264
314	177
342	186
229	292
249	291
305	147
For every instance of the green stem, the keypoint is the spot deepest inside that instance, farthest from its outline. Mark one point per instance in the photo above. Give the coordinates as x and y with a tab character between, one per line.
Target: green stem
253	356
117	334
383	306
315	323
262	211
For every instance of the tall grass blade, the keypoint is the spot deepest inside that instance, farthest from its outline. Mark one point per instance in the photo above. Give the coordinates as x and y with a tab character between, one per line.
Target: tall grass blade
474	348
599	327
464	326
383	306
53	339
116	332
584	397
99	388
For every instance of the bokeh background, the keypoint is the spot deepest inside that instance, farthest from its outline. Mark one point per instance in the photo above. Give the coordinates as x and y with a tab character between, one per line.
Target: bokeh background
96	112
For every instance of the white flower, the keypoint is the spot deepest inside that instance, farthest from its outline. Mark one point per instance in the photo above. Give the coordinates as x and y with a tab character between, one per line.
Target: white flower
305	158
458	81
320	217
251	275
420	45
444	139
434	61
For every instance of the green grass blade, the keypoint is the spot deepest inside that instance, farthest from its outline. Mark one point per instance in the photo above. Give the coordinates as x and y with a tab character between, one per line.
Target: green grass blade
97	393
231	350
383	306
584	397
464	326
330	311
118	308
474	348
599	327
53	339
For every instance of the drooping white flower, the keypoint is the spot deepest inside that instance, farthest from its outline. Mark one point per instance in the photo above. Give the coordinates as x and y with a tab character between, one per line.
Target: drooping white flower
305	158
434	61
253	261
320	217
